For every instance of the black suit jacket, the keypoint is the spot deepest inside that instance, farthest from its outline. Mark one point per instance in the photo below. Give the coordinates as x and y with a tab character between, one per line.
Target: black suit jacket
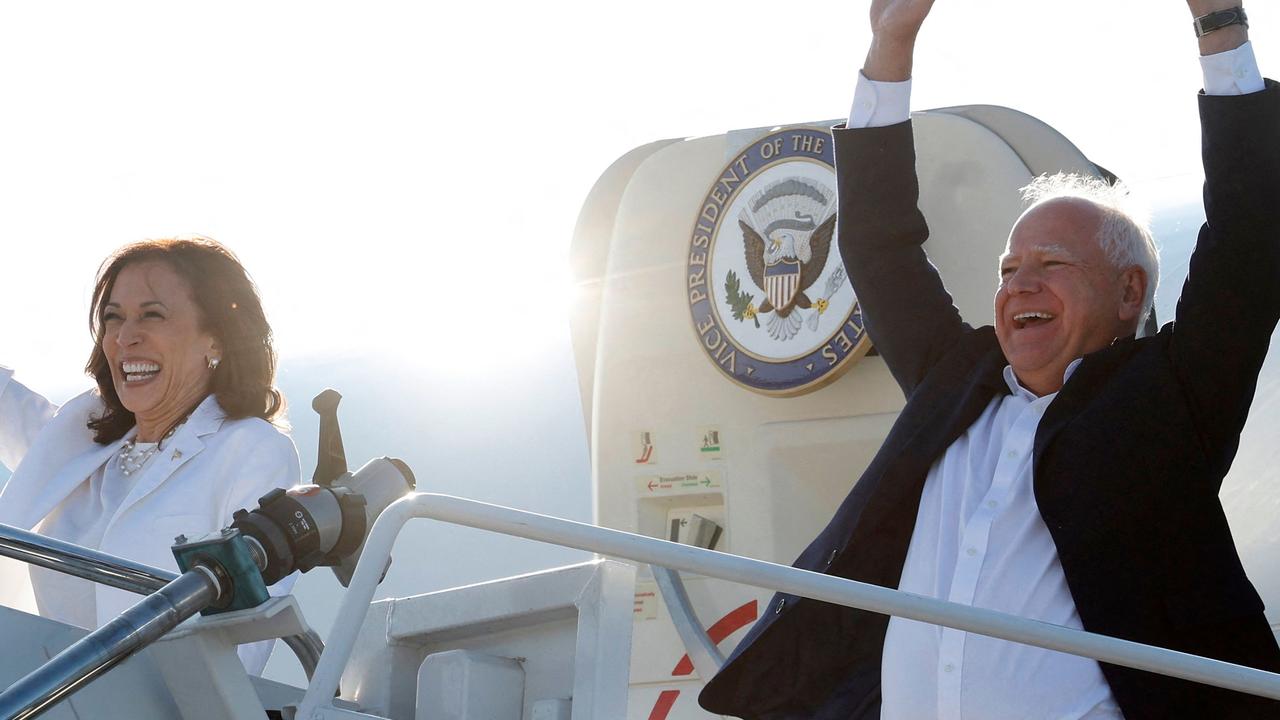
1129	457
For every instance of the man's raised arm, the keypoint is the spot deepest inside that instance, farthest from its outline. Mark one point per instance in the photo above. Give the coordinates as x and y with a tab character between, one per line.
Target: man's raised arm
1230	301
909	315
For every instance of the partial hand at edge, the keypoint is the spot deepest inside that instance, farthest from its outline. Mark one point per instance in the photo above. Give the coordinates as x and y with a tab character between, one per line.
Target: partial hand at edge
894	27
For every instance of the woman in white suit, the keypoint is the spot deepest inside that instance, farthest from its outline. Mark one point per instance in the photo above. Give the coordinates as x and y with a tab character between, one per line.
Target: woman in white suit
177	435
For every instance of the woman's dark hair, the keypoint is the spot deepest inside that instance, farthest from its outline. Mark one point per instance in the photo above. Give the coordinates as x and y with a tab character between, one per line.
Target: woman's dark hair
229	310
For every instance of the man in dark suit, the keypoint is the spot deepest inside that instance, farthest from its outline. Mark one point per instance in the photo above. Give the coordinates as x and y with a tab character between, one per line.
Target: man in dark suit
1054	466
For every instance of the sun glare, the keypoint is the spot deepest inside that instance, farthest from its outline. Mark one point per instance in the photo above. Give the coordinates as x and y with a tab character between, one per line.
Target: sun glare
424	305
513	311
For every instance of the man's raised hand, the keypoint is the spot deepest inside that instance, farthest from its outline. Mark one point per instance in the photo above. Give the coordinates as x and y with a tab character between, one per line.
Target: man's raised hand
898	19
894	26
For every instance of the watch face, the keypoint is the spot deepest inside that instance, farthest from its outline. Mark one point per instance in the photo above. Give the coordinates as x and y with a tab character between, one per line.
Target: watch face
1218	20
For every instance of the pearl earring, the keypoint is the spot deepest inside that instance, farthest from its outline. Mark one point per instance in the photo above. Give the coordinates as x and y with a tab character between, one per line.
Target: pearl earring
213	363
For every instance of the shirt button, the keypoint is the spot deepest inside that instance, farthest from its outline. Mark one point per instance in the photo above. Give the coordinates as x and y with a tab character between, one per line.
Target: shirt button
993	504
781	604
1012	453
948	667
971	552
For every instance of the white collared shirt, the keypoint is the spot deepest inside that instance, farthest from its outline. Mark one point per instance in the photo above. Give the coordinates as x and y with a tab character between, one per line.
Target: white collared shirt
979	540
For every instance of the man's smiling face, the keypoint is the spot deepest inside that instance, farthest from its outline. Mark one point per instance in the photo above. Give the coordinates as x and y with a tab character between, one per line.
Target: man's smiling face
1060	297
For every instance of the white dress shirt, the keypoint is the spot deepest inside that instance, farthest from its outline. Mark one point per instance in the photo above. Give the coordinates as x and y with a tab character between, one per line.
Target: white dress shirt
979	538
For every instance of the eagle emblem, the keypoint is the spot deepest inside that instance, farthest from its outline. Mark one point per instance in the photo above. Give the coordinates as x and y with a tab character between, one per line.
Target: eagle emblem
764	281
787	230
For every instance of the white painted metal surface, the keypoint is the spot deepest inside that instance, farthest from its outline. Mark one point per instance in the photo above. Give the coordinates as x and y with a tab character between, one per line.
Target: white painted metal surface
469	685
571	626
554	709
200	666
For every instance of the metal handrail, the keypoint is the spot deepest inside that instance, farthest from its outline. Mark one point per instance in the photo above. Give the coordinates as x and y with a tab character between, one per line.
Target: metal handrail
96	653
118	572
802	583
64	557
703	653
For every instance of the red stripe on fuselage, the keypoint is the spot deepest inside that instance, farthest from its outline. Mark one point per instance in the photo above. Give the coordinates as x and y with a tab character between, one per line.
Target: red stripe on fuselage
724	627
662	706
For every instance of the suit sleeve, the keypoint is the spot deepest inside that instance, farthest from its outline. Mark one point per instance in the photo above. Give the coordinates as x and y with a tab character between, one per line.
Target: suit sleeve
909	315
22	415
269	463
1230	301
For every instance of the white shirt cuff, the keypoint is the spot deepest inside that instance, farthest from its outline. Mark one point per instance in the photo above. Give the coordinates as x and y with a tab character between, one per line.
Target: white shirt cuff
1234	72
878	104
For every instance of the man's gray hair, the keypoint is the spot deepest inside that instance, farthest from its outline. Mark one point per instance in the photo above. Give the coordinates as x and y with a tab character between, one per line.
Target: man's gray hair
1125	232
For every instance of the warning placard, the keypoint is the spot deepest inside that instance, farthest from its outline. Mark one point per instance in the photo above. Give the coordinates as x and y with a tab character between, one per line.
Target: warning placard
646	600
680	483
709	443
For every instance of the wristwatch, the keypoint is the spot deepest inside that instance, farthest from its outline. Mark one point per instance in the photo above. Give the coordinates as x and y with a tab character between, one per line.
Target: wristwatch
1206	24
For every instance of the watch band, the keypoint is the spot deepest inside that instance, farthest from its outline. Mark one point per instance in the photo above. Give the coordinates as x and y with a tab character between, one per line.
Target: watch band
1206	24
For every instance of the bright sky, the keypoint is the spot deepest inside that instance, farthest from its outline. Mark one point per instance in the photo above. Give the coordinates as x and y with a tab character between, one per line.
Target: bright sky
404	178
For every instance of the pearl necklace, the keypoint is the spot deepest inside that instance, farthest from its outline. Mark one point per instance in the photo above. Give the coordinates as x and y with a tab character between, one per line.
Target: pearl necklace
132	458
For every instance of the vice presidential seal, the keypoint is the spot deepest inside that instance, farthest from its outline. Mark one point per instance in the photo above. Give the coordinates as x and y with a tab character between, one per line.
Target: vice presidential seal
765	282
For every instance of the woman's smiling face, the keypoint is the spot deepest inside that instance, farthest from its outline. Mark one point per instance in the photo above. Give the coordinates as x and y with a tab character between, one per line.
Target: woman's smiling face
153	340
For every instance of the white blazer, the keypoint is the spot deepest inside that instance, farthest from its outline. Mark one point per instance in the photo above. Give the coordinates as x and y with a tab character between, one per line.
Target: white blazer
210	468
